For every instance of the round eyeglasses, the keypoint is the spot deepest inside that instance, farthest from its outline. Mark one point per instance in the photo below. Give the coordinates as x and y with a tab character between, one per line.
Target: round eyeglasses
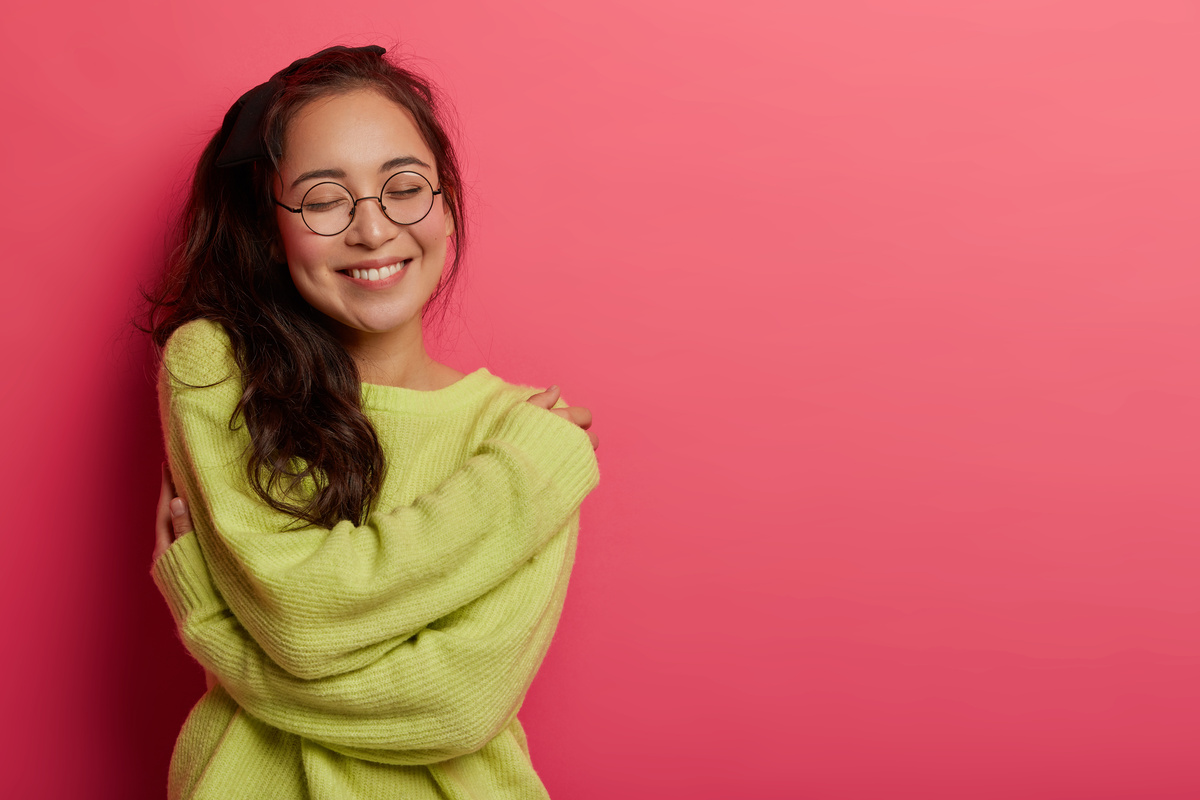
327	208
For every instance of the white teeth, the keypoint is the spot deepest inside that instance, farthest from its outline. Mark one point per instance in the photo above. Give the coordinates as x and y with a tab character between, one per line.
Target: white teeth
376	274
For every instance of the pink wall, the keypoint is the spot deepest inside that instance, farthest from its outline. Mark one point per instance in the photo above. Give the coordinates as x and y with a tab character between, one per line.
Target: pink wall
887	313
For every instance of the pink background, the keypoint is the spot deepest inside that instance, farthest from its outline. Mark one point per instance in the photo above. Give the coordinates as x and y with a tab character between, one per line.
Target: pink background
887	312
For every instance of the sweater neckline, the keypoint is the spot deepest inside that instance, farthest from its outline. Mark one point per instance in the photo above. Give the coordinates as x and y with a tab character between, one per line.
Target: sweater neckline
420	401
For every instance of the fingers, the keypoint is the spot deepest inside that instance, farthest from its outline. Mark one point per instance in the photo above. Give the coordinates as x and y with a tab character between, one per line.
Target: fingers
177	510
576	415
181	519
165	493
173	519
162	521
547	398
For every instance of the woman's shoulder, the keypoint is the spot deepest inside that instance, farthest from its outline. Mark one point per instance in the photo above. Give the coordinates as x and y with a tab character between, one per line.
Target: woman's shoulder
199	353
505	396
500	391
478	393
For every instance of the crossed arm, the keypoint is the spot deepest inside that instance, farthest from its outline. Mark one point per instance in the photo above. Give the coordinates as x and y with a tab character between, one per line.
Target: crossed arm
410	639
442	693
325	601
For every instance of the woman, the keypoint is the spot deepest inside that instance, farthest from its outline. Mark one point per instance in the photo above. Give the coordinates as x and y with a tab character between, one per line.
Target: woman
381	543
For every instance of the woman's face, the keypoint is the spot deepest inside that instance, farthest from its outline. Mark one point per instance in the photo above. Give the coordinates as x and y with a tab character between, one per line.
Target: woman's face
359	139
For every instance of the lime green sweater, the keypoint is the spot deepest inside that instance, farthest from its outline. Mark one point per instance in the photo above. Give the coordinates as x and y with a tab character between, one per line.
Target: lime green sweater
386	660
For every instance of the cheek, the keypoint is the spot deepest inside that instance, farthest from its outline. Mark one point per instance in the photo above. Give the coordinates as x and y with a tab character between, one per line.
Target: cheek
291	238
303	253
432	233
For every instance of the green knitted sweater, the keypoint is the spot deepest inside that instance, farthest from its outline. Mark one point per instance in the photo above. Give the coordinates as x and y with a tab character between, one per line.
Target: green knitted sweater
386	660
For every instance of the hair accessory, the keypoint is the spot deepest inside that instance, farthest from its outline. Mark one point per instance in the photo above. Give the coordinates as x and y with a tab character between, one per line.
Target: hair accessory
242	126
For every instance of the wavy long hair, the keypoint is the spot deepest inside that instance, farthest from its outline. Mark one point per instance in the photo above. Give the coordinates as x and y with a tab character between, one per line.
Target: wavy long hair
313	453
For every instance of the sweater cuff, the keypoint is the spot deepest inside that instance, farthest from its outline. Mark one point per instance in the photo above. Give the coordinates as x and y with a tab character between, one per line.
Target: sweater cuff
182	576
562	448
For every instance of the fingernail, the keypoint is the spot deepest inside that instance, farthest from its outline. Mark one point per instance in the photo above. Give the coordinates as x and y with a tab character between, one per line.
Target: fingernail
176	507
552	388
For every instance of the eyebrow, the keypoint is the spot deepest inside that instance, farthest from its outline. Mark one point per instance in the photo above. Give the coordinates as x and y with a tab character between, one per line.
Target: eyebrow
400	161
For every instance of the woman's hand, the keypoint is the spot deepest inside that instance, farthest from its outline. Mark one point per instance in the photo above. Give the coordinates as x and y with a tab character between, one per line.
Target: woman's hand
173	519
577	415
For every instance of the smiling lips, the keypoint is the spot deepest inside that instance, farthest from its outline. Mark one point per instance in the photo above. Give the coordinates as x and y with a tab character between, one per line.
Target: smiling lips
382	273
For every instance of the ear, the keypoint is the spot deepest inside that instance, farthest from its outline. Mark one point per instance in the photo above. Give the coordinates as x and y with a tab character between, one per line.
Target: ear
448	212
276	248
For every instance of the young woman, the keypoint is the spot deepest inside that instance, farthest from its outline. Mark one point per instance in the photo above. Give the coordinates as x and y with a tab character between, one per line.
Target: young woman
381	544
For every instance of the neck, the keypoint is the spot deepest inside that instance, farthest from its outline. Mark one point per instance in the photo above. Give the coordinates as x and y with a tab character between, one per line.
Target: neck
394	358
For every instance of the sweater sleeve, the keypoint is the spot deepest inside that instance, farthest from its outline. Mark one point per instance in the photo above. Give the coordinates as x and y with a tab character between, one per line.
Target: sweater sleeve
442	693
326	601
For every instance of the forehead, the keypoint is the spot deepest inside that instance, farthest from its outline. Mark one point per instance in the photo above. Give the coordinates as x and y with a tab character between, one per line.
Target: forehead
353	131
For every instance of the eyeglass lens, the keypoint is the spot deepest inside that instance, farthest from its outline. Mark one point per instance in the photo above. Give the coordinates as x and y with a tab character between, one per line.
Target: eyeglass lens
328	208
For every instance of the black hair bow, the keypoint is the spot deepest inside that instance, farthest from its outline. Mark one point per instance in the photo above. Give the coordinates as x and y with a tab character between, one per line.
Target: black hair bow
242	126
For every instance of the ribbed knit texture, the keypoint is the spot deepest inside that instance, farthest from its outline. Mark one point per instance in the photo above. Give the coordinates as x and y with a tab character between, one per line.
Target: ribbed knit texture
386	660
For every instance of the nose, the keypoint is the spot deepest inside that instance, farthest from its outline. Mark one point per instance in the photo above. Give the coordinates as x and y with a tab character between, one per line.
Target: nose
370	226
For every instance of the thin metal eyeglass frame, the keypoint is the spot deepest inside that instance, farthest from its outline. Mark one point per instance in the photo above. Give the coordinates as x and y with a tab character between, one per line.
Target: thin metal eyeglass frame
354	207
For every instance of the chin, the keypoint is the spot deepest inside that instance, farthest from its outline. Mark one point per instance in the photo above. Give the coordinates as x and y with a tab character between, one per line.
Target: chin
382	326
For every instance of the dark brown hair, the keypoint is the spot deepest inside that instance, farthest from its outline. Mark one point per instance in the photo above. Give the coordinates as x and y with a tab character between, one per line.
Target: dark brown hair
301	389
